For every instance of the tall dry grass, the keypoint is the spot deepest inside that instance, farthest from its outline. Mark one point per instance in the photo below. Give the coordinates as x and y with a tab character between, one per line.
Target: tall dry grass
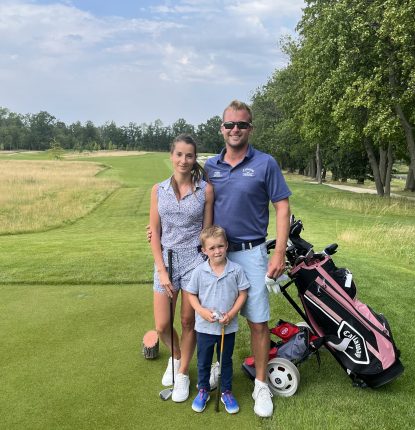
370	204
38	195
398	239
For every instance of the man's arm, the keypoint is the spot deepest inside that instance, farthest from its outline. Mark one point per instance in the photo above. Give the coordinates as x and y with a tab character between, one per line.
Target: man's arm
276	264
208	211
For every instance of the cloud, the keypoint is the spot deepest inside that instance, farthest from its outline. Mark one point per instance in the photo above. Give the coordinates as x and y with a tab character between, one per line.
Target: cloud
57	56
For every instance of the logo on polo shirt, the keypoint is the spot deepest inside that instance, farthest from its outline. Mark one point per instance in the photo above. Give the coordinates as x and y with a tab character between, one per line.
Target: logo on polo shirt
248	172
217	174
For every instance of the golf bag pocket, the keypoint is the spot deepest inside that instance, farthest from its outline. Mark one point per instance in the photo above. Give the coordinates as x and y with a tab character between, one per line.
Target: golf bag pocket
297	342
296	349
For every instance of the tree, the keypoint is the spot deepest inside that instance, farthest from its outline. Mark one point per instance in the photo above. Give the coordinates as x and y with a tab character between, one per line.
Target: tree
181	126
208	135
348	68
41	130
56	151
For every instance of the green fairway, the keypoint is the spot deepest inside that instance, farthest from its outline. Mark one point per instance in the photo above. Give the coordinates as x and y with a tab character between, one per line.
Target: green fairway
75	302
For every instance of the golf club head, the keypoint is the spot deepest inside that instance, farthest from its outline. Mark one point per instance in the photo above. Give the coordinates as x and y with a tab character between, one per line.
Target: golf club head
166	393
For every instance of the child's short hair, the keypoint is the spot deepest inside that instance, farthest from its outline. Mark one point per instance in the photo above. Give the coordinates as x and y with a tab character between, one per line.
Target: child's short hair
212	231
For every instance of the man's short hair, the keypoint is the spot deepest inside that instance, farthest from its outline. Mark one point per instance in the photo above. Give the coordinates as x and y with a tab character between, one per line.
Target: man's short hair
212	231
238	105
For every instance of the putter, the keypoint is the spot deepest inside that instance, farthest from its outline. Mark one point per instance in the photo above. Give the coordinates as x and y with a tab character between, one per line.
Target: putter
219	393
167	392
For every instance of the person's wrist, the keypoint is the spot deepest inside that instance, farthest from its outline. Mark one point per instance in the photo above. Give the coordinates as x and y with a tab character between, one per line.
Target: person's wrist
279	251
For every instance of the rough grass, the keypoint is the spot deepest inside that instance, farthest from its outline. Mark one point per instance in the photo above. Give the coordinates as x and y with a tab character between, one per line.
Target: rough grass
370	204
382	236
37	195
103	153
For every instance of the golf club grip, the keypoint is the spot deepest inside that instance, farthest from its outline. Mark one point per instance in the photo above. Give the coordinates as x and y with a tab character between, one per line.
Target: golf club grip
170	271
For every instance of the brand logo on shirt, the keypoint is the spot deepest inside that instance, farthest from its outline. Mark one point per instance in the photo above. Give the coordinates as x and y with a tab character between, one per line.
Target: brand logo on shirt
248	172
217	174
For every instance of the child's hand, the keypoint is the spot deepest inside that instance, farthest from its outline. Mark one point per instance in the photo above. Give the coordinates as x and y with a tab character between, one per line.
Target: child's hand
207	315
226	319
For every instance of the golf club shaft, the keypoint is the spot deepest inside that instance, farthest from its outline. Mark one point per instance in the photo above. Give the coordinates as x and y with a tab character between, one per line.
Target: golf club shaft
166	393
170	271
219	392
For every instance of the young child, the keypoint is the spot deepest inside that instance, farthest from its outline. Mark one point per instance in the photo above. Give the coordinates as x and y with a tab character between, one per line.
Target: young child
218	289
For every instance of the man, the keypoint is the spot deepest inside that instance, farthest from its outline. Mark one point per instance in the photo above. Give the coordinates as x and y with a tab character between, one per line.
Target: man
245	180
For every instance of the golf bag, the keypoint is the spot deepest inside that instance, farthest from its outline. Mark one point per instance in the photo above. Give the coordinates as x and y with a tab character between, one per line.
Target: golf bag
359	338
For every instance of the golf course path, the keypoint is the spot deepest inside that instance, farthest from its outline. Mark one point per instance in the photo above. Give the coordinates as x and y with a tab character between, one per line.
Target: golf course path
363	190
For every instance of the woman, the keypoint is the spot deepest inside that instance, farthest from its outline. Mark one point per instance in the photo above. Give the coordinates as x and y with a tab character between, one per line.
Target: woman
180	207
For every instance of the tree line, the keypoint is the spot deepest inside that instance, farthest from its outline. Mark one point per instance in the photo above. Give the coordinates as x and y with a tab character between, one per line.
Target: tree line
42	131
346	100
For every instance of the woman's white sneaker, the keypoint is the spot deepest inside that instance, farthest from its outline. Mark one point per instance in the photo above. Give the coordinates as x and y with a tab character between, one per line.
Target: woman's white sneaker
167	379
181	388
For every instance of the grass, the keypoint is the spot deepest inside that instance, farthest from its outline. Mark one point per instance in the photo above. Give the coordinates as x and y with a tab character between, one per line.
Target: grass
38	195
75	302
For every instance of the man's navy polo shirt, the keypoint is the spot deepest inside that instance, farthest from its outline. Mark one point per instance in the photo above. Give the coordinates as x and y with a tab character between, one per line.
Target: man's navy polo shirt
243	193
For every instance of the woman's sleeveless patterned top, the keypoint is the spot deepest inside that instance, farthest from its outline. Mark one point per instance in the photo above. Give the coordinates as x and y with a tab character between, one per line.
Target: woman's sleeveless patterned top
181	220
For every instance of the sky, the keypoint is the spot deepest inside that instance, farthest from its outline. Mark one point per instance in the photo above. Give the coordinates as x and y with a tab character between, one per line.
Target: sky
138	61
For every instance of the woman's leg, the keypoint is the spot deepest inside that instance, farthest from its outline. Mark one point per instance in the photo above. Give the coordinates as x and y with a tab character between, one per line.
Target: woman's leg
188	339
162	321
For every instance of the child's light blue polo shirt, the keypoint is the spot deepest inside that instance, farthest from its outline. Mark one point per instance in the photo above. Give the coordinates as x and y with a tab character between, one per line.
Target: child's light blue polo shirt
217	293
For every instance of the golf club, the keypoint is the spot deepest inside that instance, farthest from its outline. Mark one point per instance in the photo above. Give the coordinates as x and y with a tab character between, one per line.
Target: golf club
167	392
219	392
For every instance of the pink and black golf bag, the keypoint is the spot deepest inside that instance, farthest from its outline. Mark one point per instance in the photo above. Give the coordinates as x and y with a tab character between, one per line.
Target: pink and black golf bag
359	338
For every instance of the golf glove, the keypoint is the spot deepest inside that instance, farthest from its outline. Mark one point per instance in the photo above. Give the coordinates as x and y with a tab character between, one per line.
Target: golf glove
273	285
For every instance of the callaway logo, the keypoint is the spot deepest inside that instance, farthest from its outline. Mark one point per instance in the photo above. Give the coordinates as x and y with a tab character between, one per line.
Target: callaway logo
248	172
284	331
356	350
217	174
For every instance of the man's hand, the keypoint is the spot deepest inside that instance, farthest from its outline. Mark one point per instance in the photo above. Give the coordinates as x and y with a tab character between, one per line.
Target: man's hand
276	265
